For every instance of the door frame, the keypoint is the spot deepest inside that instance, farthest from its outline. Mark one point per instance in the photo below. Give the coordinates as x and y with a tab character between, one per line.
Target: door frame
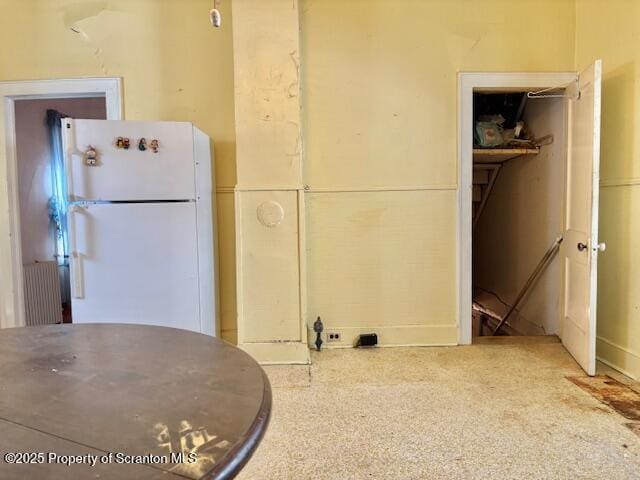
12	312
467	83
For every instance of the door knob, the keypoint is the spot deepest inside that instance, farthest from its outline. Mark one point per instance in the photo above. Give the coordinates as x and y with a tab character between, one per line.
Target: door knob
601	247
582	247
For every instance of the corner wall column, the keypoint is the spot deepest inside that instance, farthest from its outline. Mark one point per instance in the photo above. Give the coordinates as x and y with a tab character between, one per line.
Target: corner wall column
269	196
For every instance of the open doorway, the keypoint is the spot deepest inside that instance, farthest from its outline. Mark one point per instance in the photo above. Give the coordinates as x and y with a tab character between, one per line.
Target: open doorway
535	185
518	212
12	274
42	200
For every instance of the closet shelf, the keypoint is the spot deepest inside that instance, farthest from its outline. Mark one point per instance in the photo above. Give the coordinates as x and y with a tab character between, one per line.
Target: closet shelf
499	155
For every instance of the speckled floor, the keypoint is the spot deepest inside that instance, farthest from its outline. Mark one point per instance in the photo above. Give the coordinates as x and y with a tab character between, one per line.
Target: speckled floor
489	411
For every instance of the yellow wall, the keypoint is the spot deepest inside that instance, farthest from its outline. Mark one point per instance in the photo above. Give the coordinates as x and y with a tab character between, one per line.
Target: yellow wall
613	34
379	116
175	66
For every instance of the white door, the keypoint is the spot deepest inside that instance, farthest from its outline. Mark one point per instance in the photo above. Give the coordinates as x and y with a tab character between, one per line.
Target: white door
580	246
129	174
135	263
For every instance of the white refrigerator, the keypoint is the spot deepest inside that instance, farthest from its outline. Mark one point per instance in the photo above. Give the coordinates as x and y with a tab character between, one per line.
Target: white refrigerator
141	223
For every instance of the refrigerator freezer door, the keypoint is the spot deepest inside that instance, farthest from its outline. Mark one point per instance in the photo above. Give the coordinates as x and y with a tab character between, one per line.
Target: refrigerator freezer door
135	263
129	174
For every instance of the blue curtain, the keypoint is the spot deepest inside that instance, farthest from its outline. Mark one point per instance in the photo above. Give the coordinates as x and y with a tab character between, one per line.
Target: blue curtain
58	203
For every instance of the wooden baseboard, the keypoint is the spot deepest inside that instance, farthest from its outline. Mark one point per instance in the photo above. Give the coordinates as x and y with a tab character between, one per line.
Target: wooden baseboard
278	353
618	357
390	336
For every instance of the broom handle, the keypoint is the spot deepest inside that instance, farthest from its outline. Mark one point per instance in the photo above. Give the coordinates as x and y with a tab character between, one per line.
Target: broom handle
532	278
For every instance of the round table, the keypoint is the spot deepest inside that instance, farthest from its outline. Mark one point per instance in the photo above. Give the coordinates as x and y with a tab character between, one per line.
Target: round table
127	401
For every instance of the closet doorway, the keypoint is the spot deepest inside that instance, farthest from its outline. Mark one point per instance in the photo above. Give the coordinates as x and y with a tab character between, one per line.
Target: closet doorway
528	206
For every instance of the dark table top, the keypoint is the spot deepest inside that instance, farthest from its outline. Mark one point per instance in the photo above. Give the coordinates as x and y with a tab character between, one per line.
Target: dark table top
138	392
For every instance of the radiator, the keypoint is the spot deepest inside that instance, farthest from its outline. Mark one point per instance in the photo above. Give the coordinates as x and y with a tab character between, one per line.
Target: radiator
43	304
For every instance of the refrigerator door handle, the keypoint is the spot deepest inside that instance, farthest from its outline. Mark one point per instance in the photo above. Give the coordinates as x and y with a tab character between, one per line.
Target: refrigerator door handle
70	149
77	286
77	282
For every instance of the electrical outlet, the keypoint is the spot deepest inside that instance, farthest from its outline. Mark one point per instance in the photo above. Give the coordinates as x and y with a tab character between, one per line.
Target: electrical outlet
333	337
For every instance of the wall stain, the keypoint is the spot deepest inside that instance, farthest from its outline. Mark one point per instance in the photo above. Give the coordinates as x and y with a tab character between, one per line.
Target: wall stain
76	12
296	152
73	15
292	89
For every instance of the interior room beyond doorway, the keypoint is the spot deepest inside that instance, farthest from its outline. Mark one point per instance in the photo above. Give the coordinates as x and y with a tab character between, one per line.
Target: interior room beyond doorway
42	202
